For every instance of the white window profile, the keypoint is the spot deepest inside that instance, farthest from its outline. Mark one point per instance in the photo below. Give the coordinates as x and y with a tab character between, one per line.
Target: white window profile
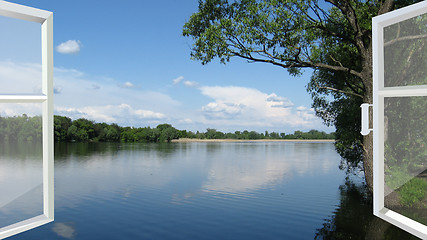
45	18
399	41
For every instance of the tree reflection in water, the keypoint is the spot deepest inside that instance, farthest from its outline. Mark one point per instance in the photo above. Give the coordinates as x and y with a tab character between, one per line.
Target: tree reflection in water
353	218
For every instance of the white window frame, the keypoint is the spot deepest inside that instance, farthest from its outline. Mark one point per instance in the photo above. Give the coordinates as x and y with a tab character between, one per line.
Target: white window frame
45	18
379	93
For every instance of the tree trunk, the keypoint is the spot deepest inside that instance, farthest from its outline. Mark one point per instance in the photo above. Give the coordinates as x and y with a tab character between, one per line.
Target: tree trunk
367	78
368	160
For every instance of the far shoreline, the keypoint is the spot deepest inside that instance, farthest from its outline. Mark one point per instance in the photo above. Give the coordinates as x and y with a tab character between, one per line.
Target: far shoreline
187	140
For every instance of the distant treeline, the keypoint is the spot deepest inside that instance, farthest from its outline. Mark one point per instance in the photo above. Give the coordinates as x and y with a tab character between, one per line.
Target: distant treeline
252	135
25	128
22	128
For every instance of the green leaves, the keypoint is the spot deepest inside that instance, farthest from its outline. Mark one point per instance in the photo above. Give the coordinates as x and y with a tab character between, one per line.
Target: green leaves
21	128
269	31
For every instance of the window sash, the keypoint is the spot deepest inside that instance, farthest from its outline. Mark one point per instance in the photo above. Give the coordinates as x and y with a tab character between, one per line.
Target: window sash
379	94
45	18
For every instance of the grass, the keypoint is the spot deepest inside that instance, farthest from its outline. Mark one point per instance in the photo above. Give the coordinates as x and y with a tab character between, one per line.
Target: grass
412	192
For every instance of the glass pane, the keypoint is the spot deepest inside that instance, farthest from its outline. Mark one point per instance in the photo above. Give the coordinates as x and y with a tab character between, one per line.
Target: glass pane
21	163
405	52
20	58
405	156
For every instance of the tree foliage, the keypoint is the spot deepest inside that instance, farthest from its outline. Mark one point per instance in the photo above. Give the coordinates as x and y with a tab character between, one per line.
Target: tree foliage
288	33
21	128
253	135
83	130
405	139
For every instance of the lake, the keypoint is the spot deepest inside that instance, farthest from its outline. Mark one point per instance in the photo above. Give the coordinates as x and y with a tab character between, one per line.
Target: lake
227	190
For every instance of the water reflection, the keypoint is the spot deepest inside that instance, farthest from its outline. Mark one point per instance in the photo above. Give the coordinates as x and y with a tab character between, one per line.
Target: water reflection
65	230
20	181
239	180
255	166
202	191
353	218
213	167
64	151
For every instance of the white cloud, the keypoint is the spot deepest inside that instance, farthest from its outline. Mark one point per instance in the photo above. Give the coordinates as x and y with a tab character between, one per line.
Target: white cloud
222	110
178	80
127	85
186	82
69	47
122	113
191	83
240	106
274	98
279	101
17	109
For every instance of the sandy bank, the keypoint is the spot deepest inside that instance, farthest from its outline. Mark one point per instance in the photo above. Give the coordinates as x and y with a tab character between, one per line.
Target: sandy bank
245	140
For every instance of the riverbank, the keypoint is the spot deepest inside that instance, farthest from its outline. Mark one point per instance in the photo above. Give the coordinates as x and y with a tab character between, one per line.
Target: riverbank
251	140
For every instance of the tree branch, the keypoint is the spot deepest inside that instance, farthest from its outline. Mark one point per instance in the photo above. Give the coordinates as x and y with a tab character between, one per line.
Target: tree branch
252	59
337	68
337	90
386	6
404	39
336	61
299	64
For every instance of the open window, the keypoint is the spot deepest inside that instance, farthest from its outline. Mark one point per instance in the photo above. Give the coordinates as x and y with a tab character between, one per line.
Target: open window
35	188
400	117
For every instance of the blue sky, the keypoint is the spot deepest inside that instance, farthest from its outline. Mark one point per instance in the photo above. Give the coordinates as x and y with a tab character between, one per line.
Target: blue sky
127	62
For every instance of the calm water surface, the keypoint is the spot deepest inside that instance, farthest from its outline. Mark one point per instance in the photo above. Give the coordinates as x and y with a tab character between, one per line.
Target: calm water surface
262	190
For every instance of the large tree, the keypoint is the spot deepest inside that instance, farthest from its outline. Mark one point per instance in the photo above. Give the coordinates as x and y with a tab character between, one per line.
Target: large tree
332	37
